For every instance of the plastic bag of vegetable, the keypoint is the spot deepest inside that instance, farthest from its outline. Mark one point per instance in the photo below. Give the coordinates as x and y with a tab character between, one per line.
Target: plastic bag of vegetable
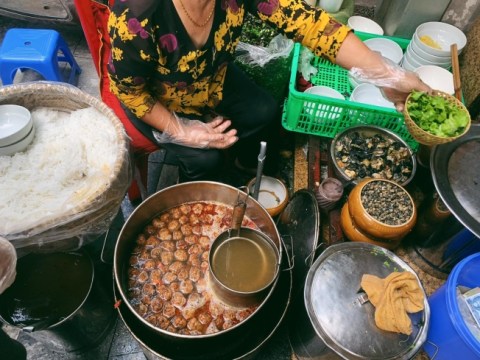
268	67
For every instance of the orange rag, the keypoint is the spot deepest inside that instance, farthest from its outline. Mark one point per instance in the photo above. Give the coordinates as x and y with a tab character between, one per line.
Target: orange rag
393	297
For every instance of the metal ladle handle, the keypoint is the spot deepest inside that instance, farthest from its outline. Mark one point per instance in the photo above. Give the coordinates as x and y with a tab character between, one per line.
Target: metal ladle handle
239	212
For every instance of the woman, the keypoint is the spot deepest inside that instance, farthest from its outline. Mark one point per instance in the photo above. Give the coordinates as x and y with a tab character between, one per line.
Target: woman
172	66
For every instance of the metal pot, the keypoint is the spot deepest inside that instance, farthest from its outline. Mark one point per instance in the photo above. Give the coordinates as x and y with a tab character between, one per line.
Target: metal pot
269	264
166	199
67	310
230	345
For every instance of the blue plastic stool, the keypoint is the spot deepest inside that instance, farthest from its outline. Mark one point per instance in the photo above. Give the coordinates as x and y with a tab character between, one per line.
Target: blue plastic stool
38	49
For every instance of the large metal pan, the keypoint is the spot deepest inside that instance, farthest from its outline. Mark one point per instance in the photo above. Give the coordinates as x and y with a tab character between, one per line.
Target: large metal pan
166	199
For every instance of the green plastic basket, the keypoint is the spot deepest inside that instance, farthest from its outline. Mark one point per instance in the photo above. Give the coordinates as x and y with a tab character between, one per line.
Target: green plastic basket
325	116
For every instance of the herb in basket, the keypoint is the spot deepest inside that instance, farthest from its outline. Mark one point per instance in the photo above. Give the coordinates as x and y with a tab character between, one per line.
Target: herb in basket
436	115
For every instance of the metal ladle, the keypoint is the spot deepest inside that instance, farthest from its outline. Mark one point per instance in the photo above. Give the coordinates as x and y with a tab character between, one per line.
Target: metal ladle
261	159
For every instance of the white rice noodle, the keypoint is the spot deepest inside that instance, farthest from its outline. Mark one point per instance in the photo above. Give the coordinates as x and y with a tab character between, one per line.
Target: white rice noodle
70	159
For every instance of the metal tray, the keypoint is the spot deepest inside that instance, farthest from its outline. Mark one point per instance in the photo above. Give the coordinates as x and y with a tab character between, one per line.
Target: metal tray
456	177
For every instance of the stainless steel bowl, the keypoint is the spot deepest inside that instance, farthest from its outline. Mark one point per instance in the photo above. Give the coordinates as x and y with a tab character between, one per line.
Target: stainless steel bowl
369	131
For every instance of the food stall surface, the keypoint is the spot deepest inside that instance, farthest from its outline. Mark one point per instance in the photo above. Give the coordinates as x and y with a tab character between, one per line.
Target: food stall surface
118	343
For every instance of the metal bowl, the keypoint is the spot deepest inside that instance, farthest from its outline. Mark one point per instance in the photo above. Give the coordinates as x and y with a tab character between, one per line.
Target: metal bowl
368	131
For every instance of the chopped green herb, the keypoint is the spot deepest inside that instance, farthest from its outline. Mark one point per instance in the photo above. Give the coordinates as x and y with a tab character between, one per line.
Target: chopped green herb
436	115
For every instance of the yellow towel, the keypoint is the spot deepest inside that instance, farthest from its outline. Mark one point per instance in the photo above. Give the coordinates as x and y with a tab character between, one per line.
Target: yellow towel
393	297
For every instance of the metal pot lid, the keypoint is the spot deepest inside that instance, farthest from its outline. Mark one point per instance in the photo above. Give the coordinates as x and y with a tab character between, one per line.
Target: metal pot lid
456	177
341	318
299	226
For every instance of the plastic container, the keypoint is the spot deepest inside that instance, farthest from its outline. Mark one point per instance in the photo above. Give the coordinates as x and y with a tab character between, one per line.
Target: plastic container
448	336
298	118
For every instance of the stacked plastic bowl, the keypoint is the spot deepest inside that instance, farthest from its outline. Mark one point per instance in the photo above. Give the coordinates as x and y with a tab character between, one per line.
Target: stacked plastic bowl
16	129
430	45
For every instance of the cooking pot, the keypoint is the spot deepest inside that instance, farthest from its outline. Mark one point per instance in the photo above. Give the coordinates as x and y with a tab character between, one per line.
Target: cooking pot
58	299
171	197
243	262
243	343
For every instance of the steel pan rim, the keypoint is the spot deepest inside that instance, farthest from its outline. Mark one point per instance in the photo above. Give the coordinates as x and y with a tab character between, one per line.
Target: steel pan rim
441	155
118	278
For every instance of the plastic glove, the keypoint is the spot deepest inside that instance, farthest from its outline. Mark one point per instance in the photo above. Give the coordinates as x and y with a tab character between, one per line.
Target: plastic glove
197	134
395	82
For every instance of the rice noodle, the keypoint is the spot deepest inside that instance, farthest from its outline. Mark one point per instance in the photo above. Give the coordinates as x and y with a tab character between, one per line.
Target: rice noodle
70	159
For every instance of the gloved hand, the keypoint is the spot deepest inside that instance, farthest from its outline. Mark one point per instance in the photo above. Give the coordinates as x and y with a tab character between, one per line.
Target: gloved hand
395	82
197	134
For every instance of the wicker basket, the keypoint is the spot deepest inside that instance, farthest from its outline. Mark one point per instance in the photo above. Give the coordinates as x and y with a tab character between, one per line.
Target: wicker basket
92	214
426	138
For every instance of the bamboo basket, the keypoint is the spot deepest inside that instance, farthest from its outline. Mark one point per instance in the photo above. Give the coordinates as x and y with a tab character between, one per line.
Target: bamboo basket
91	215
426	138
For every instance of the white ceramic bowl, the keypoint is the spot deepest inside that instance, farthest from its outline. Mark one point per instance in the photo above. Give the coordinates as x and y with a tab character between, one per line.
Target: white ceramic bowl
18	146
324	111
443	35
354	82
363	24
370	94
437	78
272	195
15	123
386	47
407	63
413	60
414	49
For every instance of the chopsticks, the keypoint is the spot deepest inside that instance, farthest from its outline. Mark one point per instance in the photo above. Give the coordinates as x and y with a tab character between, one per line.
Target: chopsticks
457	85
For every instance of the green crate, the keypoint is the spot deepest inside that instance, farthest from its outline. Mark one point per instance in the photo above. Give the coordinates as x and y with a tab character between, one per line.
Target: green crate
325	116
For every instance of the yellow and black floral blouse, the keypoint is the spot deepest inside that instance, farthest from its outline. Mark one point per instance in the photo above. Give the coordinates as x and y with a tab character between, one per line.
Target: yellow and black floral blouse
153	58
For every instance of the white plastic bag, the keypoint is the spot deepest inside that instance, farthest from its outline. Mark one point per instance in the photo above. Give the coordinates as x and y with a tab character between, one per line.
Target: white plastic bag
279	47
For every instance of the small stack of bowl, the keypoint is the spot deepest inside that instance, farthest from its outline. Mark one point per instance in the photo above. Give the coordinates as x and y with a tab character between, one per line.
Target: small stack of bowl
387	48
379	212
430	45
16	129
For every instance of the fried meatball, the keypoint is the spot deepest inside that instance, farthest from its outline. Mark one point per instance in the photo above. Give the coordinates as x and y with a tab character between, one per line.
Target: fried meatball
191	239
156	305
185	208
168	245
186	229
183	273
173	225
166	257
186	286
156	277
149	289
152	242
204	242
177	235
169	311
176	266
169	277
164	234
194	324
164	292
178	299
179	322
181	255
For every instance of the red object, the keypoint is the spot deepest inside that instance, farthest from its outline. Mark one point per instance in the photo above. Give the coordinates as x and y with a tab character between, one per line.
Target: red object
93	17
302	83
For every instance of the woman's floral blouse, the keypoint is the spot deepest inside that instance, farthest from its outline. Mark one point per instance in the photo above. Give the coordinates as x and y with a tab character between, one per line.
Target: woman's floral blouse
153	58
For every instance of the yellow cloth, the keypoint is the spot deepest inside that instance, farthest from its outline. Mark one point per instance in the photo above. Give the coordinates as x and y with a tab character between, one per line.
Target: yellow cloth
393	297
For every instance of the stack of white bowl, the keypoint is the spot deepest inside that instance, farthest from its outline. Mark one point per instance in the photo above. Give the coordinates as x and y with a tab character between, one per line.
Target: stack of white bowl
387	48
16	129
371	95
430	45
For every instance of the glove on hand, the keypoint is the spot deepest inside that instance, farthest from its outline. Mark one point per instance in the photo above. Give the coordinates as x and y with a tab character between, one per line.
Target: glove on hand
197	134
395	82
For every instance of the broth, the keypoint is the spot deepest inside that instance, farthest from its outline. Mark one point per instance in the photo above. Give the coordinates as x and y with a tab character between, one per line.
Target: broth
244	265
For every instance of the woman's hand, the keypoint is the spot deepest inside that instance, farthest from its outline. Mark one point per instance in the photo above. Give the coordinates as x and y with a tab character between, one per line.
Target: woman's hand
197	134
395	82
369	66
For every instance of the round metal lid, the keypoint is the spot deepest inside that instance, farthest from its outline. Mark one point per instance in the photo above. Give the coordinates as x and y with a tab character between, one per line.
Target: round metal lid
457	178
337	309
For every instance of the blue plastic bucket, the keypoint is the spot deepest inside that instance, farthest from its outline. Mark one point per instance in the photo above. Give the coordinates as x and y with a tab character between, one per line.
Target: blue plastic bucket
448	336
